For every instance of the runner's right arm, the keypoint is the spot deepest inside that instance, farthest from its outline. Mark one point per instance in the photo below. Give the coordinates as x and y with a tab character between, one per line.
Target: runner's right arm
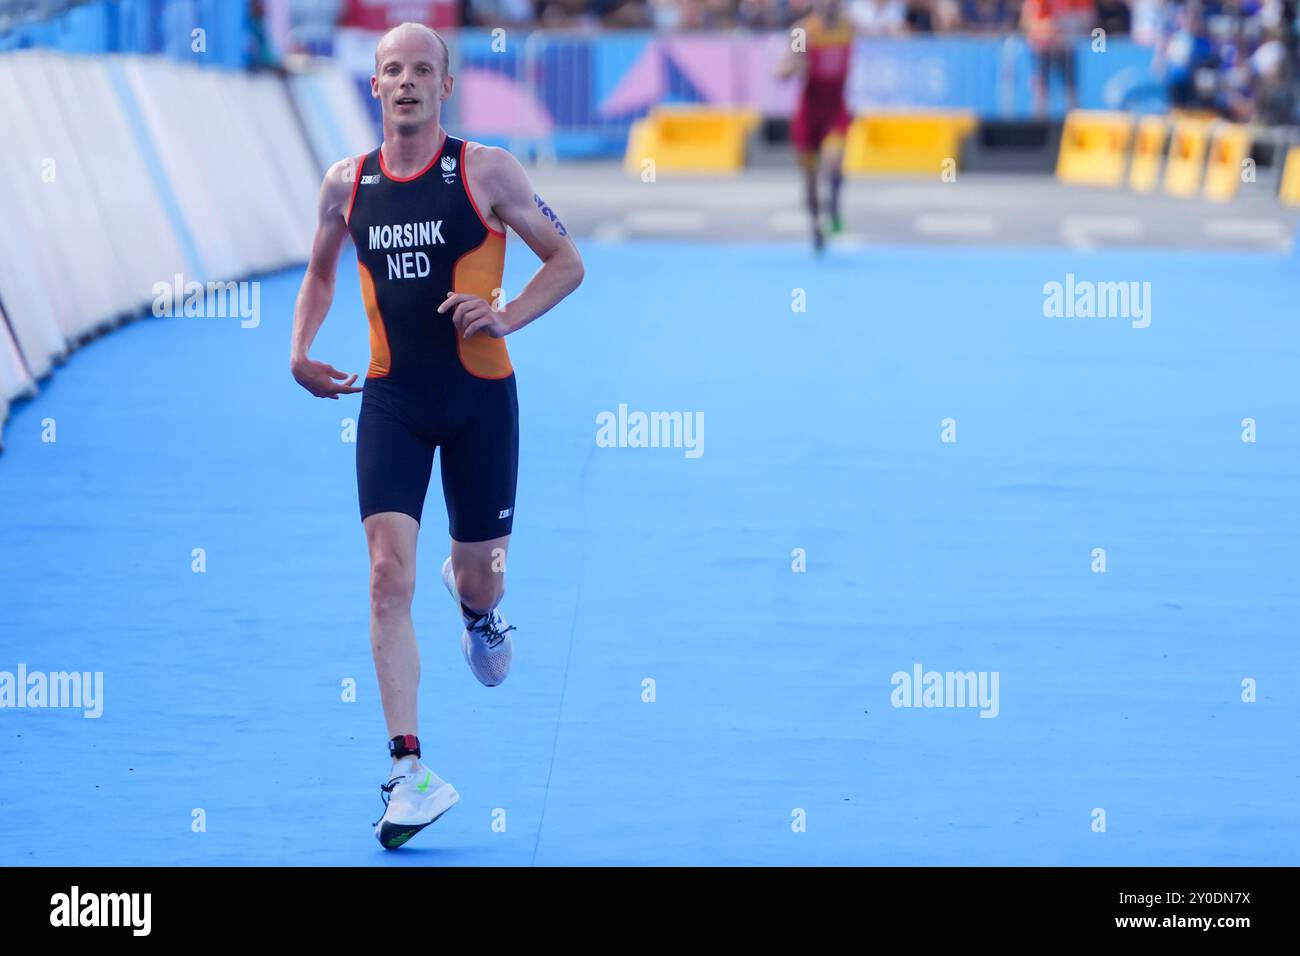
317	292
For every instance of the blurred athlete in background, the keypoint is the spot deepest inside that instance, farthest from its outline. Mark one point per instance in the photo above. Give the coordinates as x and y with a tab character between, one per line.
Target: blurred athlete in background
1053	28
821	54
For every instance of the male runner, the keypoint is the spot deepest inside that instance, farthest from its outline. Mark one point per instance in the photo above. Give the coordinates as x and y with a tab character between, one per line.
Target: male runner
427	213
821	119
1052	29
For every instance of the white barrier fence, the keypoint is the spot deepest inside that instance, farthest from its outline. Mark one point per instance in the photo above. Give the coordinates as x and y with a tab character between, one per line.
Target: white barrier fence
119	173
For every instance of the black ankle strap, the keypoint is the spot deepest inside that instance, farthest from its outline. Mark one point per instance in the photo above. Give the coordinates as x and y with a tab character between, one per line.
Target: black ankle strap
403	745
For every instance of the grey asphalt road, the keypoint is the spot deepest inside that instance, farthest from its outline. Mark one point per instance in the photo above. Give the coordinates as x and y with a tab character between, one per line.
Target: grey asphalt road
599	199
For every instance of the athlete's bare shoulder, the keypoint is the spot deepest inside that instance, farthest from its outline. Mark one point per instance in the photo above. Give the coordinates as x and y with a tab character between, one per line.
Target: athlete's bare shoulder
488	162
493	174
496	169
502	190
336	188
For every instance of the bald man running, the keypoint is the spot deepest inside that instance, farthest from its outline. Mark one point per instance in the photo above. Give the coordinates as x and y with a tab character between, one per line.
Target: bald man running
428	212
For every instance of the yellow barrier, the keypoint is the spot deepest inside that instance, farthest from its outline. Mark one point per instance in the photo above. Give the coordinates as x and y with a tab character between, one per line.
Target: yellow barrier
1148	154
1229	147
1186	162
1290	193
1094	148
905	142
690	140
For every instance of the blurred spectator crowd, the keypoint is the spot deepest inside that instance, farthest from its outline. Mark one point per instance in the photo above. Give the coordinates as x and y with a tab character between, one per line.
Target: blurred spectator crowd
883	17
1235	58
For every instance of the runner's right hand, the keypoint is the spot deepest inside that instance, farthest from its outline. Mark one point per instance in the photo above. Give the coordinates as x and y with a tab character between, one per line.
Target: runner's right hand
322	379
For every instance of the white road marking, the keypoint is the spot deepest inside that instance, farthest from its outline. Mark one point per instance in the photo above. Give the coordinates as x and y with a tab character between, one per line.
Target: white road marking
608	232
795	221
850	240
1085	232
955	224
1249	230
665	220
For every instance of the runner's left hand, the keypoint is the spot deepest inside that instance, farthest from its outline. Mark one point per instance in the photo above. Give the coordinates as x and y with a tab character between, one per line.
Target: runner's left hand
472	315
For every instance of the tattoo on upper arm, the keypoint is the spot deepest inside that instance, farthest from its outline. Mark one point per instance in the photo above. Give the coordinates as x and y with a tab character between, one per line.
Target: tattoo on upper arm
549	213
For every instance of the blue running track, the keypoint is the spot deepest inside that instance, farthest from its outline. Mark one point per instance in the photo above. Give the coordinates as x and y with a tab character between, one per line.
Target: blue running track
1120	691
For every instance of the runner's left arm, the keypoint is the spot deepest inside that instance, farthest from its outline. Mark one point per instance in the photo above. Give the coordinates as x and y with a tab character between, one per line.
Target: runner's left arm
507	191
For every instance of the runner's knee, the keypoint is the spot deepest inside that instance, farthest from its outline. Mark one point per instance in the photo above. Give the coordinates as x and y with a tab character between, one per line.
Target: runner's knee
392	585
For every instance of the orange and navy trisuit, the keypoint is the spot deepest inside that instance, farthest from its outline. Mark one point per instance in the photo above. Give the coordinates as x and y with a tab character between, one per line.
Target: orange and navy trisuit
418	238
822	114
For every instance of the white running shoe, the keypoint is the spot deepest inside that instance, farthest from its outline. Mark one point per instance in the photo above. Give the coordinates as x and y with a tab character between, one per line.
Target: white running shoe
486	642
413	798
